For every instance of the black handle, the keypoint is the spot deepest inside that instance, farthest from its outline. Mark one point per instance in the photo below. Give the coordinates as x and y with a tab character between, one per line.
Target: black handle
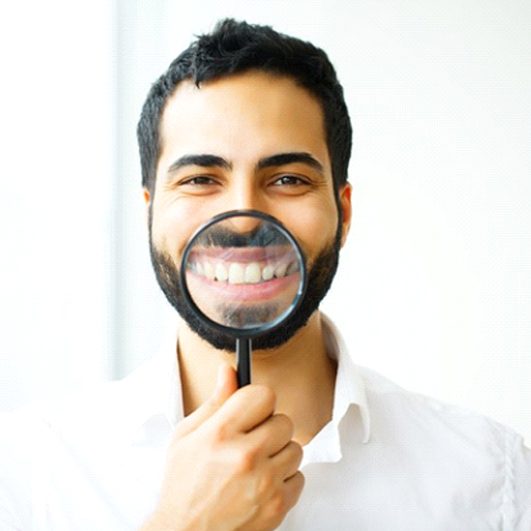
243	359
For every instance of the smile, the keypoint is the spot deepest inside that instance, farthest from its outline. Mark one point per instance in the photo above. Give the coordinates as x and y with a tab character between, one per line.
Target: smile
242	266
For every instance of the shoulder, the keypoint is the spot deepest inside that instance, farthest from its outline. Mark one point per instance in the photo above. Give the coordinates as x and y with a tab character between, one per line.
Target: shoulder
397	407
454	439
458	445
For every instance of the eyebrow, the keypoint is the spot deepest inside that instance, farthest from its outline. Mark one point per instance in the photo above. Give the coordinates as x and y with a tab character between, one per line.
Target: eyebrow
199	160
289	158
279	159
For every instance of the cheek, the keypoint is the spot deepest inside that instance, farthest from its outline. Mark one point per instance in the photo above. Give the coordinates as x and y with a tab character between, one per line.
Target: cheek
315	228
171	228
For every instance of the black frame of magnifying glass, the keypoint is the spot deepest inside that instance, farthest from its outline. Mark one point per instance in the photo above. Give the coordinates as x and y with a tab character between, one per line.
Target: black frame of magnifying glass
240	333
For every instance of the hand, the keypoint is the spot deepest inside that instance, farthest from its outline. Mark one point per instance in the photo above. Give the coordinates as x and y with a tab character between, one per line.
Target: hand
231	464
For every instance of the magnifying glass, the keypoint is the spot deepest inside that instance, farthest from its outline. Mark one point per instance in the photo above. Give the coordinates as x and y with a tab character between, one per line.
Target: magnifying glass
244	274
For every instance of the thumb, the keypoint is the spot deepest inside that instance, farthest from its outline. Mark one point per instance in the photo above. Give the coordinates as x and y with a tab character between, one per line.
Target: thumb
226	385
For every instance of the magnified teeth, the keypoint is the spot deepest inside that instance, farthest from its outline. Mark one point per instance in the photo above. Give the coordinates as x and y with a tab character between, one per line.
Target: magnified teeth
252	273
244	273
268	272
236	274
208	270
280	270
292	268
221	272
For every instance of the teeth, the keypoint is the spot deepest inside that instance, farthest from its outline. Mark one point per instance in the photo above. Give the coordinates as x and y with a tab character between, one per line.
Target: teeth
293	267
268	272
221	272
208	270
280	270
236	274
252	273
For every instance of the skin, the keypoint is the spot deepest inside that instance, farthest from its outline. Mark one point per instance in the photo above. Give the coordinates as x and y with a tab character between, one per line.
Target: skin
235	447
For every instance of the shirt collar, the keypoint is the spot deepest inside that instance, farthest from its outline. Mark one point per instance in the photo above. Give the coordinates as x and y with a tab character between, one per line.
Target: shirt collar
160	403
350	411
349	387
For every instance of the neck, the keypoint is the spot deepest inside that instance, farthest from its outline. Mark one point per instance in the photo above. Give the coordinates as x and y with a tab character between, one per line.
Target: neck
300	372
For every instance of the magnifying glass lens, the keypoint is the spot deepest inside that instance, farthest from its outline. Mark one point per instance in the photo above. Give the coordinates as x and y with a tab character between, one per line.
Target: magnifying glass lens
243	272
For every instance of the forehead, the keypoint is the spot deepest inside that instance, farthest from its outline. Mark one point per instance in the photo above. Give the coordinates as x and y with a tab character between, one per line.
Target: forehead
245	115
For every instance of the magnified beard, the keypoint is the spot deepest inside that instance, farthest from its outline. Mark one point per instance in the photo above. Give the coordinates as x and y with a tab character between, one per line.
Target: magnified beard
320	278
236	316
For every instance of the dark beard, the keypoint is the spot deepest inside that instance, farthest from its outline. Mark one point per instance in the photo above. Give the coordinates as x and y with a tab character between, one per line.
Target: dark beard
320	278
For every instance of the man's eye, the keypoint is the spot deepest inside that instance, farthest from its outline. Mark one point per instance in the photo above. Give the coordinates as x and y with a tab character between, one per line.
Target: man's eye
289	180
199	180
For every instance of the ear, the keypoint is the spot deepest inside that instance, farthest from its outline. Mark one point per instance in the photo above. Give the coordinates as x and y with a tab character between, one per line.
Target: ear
147	201
345	204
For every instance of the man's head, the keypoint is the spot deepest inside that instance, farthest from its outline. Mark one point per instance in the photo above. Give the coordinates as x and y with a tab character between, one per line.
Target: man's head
235	47
247	118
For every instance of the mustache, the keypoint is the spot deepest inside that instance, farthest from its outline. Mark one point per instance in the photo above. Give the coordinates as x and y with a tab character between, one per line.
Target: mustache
261	236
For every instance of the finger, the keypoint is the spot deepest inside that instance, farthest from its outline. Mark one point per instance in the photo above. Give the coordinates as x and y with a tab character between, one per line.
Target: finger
274	510
272	435
226	385
292	489
247	408
288	460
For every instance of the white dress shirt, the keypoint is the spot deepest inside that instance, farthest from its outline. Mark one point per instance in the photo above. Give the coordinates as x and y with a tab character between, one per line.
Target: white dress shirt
389	460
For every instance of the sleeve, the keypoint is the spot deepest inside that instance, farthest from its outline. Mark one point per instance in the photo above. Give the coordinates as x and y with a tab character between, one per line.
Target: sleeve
521	476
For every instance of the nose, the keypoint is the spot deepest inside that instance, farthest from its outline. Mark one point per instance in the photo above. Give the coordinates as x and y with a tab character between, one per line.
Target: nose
245	194
243	224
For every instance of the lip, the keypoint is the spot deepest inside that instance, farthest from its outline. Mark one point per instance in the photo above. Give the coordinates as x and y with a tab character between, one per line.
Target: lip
224	291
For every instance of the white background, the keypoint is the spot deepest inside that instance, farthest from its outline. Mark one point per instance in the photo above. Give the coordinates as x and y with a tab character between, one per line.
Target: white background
434	288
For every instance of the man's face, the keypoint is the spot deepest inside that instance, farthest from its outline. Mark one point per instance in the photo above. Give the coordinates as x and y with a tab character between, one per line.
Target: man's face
250	141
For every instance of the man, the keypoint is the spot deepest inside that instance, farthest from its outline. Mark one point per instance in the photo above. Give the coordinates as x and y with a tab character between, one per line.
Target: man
247	118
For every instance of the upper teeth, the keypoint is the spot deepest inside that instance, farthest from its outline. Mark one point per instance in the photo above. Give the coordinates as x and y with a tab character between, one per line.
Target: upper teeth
221	272
268	272
237	273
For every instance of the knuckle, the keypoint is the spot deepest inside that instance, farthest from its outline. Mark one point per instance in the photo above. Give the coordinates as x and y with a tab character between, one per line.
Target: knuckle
277	505
300	481
265	395
246	460
286	423
265	486
218	434
297	450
